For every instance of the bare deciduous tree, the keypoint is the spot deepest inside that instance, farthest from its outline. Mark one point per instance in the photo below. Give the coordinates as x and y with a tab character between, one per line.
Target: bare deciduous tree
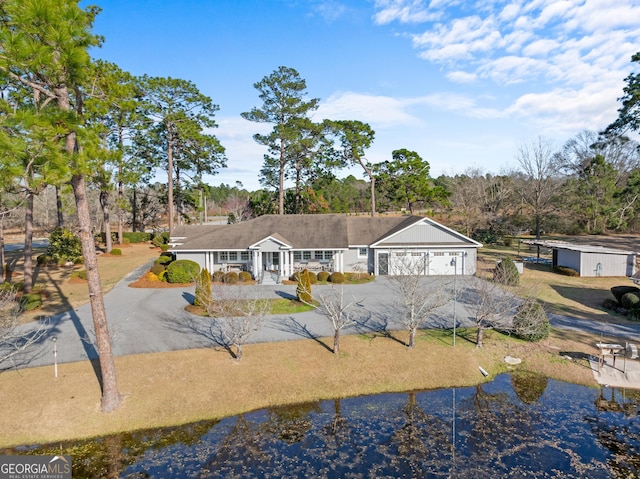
14	339
417	296
341	313
540	169
492	306
236	316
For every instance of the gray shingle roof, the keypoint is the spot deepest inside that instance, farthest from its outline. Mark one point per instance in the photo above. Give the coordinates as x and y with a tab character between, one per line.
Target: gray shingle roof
331	231
298	231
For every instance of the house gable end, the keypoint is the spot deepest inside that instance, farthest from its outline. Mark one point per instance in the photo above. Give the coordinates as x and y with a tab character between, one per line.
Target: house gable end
425	232
271	243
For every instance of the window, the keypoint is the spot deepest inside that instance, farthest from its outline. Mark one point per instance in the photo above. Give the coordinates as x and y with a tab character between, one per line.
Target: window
306	254
416	254
362	252
244	255
328	255
297	255
233	256
438	254
401	254
224	256
318	254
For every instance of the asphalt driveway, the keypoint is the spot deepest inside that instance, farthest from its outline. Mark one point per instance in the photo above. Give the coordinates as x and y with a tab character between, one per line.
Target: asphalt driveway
154	320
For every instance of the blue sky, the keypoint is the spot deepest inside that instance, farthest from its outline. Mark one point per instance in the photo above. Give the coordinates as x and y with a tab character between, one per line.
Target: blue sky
462	83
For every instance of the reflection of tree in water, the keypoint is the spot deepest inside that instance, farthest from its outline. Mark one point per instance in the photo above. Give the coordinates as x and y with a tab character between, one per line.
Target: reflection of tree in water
621	436
501	438
291	423
420	446
243	448
529	386
108	456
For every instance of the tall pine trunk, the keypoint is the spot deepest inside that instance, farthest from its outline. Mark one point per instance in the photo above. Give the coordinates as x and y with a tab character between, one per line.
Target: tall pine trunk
110	397
28	243
59	207
104	204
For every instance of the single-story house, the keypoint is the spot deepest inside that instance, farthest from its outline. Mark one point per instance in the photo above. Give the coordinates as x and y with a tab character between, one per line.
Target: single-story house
589	260
283	244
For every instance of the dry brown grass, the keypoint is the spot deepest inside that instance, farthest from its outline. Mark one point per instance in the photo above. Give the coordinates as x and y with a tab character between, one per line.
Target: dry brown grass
62	293
184	386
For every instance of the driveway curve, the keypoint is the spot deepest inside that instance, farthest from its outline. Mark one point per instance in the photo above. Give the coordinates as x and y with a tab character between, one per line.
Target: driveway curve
154	320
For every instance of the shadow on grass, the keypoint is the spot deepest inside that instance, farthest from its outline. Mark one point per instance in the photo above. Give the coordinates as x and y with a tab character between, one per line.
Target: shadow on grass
589	297
293	326
578	357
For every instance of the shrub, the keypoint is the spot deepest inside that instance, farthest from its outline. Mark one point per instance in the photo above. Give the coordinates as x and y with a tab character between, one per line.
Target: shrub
64	246
164	247
631	300
231	277
323	276
565	271
160	239
31	301
313	277
152	276
136	236
295	276
116	251
485	236
337	277
163	276
80	274
531	322
619	291
203	296
218	276
303	290
182	271
507	241
45	260
245	276
163	259
126	241
351	276
157	268
610	304
506	273
6	286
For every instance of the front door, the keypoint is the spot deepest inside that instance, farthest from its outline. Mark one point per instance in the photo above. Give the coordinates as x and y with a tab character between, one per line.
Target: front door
271	261
383	264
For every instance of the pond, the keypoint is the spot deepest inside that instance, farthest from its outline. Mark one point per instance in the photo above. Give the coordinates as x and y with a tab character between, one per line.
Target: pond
519	425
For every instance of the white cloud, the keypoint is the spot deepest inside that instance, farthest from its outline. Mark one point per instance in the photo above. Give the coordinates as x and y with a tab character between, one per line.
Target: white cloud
379	111
459	76
414	11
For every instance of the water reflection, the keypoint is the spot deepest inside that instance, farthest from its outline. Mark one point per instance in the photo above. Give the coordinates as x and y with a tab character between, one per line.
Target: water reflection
516	426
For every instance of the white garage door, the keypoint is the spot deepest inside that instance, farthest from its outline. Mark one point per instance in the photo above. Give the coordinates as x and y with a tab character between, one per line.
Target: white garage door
435	264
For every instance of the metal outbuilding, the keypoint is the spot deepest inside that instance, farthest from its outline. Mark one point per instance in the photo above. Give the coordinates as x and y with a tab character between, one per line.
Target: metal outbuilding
590	260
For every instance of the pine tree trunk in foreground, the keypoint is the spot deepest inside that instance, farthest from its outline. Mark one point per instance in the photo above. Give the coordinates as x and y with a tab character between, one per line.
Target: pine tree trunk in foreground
110	396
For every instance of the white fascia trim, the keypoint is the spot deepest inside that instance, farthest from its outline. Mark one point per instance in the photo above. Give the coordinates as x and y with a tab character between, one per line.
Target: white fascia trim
280	242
